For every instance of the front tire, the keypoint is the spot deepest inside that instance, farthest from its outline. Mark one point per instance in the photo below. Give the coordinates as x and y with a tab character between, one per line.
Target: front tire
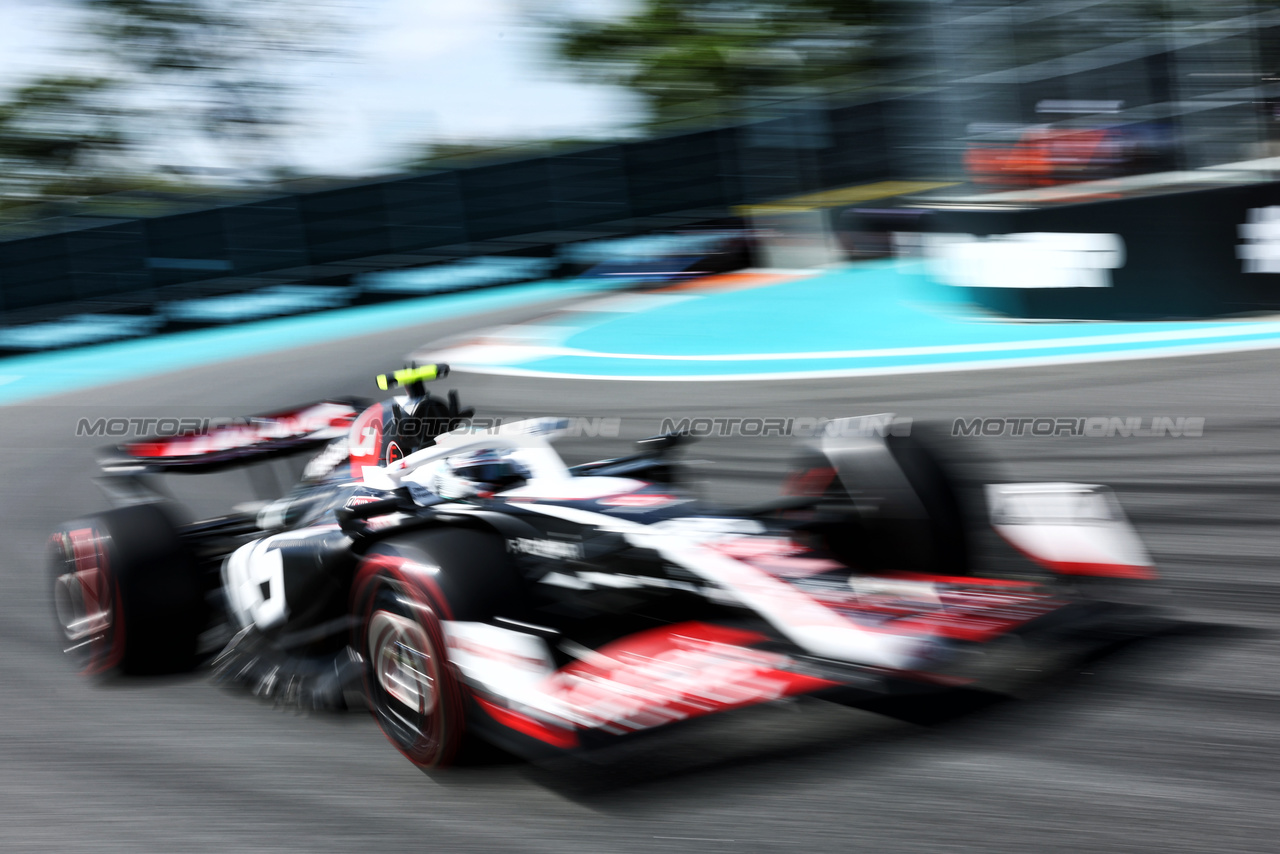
412	690
403	593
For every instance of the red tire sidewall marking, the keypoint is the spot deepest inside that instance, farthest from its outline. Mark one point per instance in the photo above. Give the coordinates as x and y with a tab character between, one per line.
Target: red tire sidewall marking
89	553
423	592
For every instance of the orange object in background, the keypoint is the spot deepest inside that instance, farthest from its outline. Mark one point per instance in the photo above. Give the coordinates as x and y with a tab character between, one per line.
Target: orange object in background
727	282
1044	157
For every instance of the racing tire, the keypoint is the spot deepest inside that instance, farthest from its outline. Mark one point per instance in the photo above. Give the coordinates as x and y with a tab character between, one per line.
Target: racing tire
918	523
403	592
128	593
945	531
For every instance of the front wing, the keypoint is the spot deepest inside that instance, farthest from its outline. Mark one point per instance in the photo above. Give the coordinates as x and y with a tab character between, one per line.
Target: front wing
689	670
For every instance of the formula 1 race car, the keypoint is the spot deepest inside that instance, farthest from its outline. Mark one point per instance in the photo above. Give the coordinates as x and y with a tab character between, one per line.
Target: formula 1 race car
472	589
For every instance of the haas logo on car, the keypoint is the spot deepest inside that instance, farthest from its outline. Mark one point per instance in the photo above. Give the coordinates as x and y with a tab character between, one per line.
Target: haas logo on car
365	440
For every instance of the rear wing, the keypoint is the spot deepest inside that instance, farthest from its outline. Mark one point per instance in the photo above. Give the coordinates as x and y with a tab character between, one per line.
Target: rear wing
242	442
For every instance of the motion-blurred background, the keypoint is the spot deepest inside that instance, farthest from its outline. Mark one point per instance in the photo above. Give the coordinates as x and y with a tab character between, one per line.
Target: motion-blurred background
158	150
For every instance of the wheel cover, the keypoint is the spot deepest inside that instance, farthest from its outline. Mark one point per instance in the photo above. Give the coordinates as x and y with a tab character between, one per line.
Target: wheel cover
404	662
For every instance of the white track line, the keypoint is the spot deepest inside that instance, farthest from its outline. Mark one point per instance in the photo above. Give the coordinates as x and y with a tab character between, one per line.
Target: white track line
1197	349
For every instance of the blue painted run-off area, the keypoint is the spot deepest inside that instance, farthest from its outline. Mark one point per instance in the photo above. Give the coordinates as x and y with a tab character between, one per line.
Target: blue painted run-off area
884	317
869	319
26	377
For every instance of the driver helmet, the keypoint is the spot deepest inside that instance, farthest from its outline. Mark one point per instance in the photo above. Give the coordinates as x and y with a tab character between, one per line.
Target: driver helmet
479	473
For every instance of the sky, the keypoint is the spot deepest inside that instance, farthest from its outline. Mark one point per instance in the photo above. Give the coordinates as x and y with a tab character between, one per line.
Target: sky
411	71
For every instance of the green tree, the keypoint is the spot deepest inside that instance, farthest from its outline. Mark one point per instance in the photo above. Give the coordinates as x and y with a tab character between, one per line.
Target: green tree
215	68
677	52
175	80
57	130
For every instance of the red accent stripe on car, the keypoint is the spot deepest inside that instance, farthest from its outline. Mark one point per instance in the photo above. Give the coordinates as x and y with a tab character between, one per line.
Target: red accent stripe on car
674	673
1098	570
552	735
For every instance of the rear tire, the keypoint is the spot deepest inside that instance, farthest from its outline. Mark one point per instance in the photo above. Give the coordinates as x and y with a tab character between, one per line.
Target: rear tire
128	593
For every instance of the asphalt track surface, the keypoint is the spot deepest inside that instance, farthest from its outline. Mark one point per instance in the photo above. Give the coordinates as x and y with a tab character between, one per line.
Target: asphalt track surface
1170	745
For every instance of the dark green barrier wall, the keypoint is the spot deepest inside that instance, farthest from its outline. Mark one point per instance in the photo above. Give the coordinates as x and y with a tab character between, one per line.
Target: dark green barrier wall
706	171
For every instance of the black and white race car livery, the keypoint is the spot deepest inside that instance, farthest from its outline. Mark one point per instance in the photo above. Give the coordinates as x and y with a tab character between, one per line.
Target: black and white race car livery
472	588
